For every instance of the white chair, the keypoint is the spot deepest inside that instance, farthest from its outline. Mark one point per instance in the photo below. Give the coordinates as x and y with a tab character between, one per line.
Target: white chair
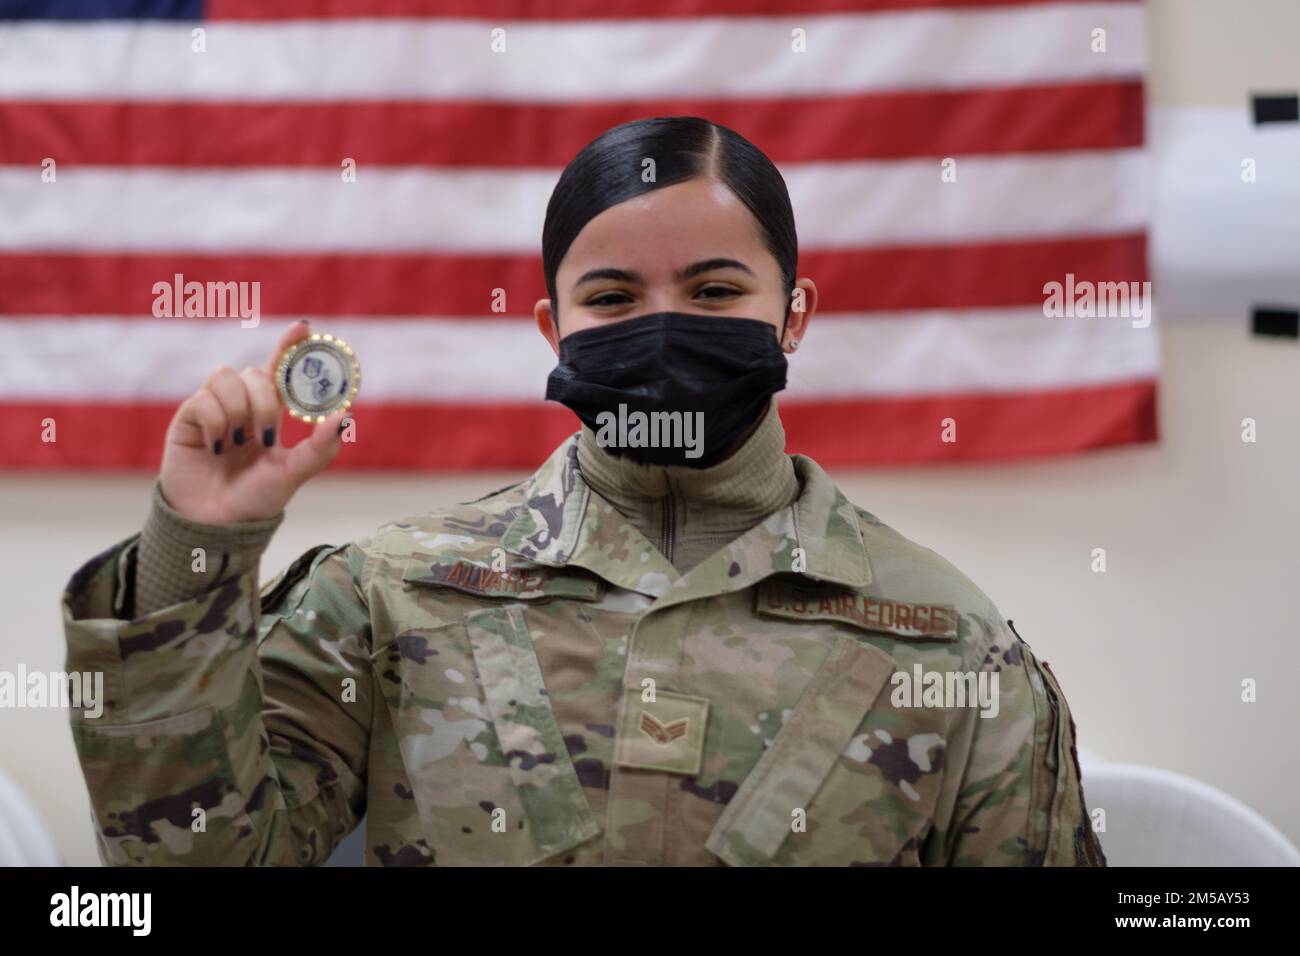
1160	818
24	840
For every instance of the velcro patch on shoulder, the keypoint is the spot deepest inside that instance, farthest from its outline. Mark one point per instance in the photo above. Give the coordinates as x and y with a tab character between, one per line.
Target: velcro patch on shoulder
525	582
275	590
778	598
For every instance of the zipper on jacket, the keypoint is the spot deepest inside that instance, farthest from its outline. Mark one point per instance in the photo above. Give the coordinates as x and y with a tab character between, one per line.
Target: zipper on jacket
666	535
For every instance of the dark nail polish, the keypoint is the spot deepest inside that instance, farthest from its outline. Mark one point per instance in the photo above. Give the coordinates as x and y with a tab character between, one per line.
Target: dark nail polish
239	435
268	436
216	447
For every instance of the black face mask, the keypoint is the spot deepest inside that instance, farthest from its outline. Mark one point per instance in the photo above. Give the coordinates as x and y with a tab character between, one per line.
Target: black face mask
718	373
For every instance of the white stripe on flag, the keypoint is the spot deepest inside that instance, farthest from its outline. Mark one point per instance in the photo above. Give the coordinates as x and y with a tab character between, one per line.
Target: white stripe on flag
836	204
598	60
478	359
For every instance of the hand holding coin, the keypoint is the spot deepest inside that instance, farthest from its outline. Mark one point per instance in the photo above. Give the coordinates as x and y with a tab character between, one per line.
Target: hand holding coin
223	460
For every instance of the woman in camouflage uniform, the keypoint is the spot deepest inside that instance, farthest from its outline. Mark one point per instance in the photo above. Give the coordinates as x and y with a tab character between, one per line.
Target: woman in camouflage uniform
698	653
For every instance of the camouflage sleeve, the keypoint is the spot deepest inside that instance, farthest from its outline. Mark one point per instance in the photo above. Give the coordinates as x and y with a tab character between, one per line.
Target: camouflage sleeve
1014	791
234	726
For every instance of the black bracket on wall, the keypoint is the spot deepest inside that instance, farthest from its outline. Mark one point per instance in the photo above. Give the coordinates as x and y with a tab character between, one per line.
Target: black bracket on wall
1276	321
1282	108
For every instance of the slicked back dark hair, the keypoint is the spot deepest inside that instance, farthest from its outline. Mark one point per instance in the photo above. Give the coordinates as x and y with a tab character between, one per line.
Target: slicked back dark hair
609	171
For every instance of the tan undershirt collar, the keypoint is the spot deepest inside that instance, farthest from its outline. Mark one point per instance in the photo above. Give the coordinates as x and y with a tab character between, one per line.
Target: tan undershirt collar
689	513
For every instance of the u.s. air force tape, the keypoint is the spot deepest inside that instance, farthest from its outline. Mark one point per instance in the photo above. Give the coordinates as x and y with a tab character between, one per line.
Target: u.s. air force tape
317	377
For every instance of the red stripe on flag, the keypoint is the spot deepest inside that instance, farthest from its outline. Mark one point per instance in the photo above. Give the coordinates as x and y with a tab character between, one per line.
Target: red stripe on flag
579	9
1022	119
967	276
902	431
846	433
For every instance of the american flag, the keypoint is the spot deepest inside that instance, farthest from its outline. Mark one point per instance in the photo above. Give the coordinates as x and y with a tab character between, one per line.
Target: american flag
382	167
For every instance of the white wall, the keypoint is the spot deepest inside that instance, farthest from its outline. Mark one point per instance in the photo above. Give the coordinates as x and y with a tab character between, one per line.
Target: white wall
1200	531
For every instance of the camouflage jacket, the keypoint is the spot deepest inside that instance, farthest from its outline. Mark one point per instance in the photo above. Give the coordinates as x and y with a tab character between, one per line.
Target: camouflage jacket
525	679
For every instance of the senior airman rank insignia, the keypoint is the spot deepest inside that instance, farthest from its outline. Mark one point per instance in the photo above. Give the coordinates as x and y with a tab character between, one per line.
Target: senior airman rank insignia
664	734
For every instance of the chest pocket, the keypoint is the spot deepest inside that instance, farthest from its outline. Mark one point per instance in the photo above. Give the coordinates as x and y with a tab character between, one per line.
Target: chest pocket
489	771
848	780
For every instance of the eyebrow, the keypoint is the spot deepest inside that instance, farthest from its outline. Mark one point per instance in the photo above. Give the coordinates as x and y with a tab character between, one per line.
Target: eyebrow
694	269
